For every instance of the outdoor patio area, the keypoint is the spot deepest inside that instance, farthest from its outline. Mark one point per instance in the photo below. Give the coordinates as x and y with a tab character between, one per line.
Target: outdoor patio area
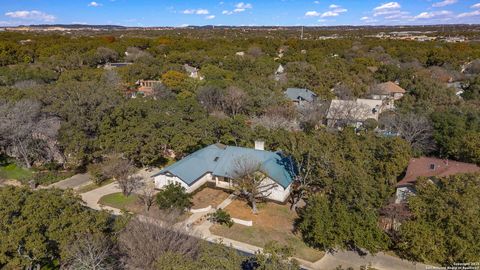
208	196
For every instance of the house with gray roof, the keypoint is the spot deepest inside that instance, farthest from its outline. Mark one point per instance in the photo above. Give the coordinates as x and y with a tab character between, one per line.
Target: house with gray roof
300	96
217	163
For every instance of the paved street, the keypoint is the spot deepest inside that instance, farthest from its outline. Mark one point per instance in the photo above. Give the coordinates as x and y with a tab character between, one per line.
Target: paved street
74	182
380	261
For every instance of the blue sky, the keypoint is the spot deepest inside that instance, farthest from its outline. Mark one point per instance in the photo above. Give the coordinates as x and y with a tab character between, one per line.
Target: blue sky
224	12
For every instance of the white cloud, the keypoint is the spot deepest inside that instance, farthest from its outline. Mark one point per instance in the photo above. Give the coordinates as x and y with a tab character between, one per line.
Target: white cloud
239	7
316	2
196	11
469	14
340	10
242	5
389	10
335	11
94	4
329	14
444	3
312	14
386	6
433	14
477	5
33	15
202	12
211	17
365	18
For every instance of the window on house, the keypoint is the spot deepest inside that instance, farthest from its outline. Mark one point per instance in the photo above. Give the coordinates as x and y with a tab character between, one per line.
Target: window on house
432	166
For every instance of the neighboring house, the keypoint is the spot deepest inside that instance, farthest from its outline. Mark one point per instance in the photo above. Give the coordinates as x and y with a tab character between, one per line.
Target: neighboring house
145	88
109	66
240	54
430	168
353	112
280	69
217	164
458	86
192	72
300	96
280	73
387	90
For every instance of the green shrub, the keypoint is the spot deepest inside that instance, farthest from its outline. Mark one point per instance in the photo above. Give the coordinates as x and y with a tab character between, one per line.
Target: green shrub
50	177
174	196
221	217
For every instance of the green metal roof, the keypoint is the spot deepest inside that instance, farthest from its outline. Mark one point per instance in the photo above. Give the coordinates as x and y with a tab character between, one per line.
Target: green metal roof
297	94
220	160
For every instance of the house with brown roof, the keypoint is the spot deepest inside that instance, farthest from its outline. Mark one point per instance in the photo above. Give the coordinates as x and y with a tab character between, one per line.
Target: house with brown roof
146	87
387	90
430	168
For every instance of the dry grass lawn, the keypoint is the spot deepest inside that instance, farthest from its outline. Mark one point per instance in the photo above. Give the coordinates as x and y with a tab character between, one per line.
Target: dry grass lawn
274	222
131	204
208	196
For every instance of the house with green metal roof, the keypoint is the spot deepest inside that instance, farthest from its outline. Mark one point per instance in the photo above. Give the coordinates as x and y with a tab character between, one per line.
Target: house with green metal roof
216	163
300	95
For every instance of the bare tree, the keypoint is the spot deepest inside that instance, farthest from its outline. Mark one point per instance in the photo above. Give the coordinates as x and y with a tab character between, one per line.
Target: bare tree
342	91
25	131
121	170
133	54
147	195
251	182
92	252
211	98
343	112
415	129
143	242
312	114
303	179
234	100
274	122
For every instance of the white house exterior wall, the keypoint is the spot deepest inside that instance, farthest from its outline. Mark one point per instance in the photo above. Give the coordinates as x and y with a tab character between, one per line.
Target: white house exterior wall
278	193
163	180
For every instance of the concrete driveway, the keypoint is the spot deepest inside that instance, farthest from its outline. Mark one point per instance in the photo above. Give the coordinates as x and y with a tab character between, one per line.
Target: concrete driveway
92	197
74	182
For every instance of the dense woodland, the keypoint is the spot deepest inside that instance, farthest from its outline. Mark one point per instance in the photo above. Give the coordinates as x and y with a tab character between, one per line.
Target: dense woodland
61	110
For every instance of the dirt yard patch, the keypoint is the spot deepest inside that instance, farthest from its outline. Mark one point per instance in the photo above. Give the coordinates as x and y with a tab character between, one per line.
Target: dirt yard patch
274	222
208	196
